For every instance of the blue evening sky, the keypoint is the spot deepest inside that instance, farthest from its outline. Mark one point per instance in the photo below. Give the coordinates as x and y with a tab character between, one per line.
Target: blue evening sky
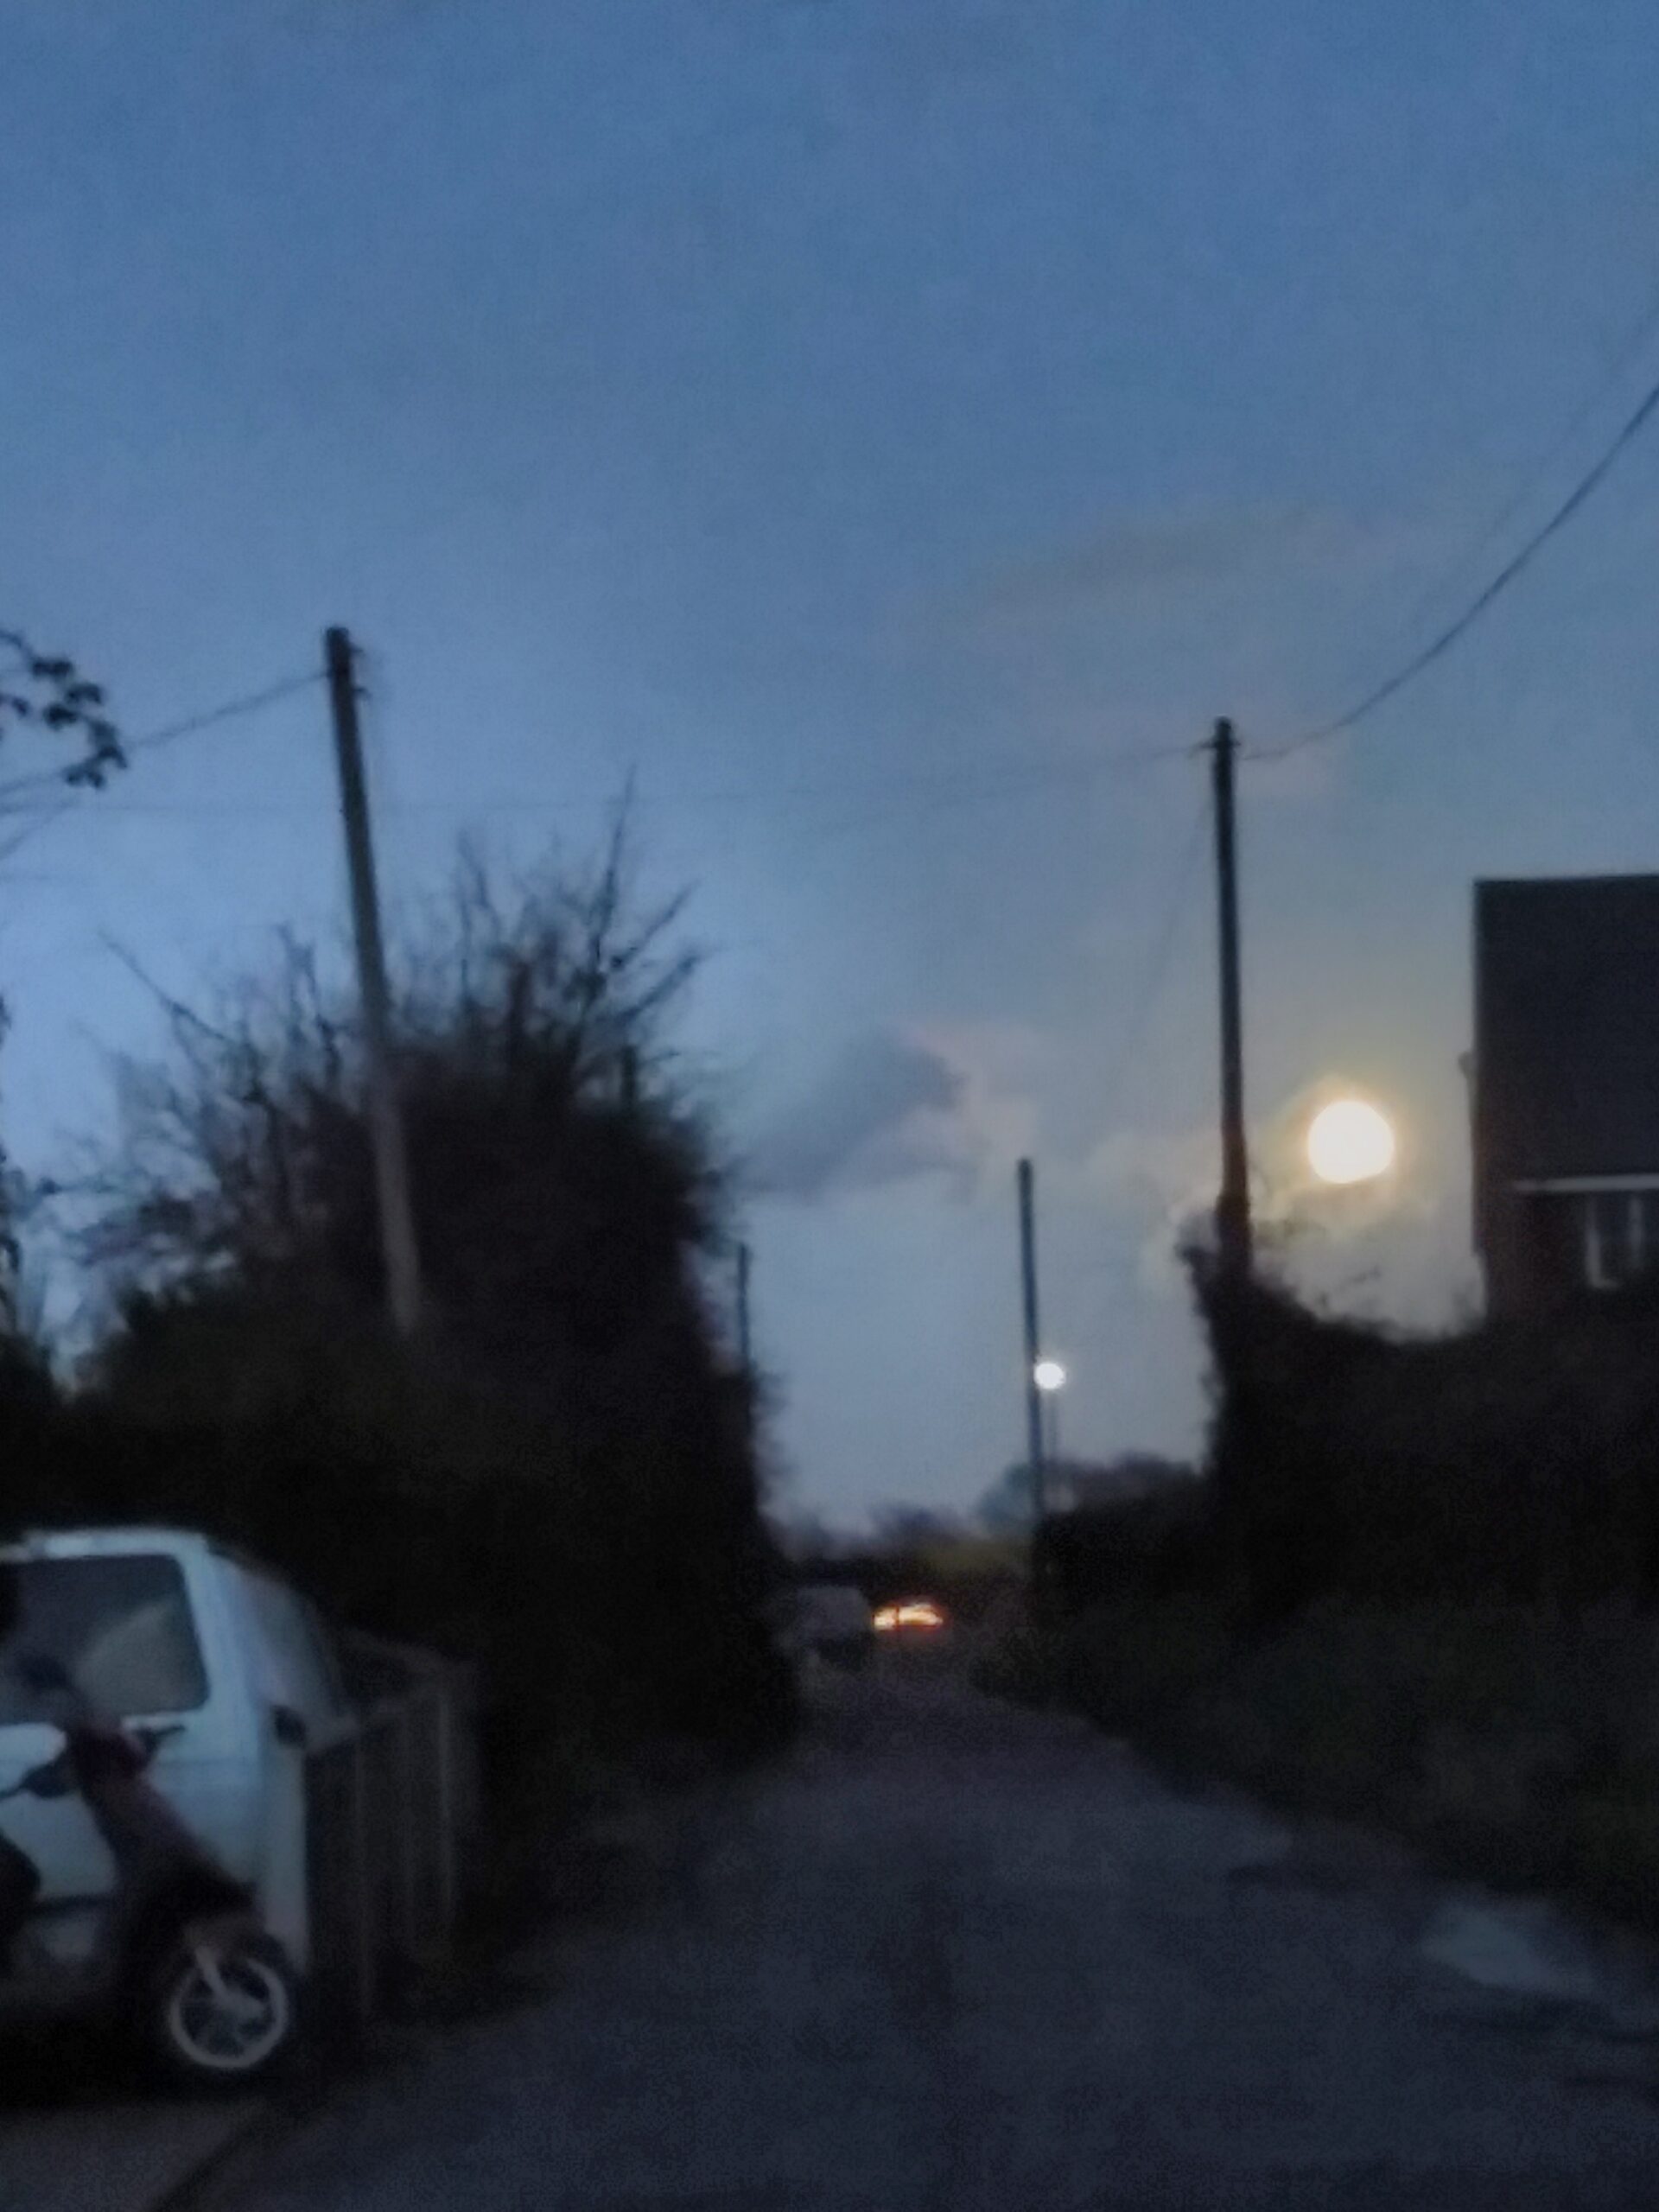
864	422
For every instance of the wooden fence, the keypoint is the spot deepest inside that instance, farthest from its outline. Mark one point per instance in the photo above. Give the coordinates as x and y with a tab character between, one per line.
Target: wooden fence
392	1818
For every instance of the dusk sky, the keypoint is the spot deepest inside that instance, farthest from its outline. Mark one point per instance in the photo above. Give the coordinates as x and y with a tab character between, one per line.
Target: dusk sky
870	424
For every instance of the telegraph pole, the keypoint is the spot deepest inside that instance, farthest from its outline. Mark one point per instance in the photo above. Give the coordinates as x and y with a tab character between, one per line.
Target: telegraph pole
398	1250
1025	1180
1233	1238
744	1341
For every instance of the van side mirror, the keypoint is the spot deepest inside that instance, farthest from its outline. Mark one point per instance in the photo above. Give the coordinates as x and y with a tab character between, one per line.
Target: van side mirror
290	1727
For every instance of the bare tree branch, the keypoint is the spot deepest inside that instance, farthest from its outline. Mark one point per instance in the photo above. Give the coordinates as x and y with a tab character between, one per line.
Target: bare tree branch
247	1147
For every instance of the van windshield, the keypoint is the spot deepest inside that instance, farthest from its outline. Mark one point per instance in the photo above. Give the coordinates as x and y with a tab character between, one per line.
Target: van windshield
120	1629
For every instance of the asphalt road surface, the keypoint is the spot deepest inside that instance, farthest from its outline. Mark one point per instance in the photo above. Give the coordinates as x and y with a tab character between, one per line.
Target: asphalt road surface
963	1958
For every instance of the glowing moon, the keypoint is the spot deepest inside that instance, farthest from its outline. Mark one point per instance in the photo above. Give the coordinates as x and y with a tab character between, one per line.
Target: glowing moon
1350	1141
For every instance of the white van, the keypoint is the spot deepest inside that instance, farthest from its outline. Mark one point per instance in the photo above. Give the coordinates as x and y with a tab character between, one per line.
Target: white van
234	1677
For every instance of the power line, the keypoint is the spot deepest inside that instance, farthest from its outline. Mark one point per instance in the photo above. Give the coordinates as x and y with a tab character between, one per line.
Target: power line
1133	1034
1630	346
169	733
990	779
250	703
896	793
1506	575
33	826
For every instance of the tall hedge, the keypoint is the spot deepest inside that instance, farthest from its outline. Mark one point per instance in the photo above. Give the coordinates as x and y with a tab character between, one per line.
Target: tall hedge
559	1477
1515	1460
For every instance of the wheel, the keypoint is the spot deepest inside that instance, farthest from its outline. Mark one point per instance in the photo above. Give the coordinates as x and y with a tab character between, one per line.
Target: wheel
223	2009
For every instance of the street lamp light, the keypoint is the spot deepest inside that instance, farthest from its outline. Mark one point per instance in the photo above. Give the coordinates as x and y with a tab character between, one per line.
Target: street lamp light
1050	1377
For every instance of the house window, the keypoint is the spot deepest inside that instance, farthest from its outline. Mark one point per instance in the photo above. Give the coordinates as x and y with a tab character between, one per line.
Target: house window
1621	1238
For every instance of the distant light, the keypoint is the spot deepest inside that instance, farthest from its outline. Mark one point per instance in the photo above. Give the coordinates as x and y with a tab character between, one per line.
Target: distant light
913	1613
1350	1141
1048	1374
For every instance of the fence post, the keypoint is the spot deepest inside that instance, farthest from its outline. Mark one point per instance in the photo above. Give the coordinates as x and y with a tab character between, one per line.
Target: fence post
406	1812
364	1914
448	1823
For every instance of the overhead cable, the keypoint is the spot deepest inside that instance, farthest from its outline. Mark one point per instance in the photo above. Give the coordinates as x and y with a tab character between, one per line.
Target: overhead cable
1587	484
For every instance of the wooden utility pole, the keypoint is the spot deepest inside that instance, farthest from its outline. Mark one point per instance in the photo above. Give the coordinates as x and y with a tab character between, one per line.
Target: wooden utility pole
1025	1180
398	1248
1233	1236
745	1342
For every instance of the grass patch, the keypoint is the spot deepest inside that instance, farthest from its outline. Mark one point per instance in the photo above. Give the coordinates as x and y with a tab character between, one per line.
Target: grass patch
1520	1750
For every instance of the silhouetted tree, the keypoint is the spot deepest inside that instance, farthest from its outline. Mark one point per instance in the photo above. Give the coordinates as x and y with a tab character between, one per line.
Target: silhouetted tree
561	1477
48	692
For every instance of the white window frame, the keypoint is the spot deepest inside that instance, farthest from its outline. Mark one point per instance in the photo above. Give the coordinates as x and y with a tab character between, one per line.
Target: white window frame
1595	1267
1581	1185
1597	1272
1631	1188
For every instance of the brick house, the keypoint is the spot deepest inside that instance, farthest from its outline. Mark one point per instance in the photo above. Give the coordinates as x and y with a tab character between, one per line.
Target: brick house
1565	1085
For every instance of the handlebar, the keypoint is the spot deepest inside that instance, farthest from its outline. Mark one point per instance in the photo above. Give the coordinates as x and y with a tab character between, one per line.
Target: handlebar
50	1779
55	1778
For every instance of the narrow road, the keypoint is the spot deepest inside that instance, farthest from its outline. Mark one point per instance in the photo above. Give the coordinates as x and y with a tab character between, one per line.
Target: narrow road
958	1957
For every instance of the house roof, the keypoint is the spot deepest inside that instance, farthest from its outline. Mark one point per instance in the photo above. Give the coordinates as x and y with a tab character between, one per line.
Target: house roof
1566	1027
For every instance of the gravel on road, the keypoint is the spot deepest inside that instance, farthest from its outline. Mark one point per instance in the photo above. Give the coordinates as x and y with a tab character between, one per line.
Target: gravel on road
955	1956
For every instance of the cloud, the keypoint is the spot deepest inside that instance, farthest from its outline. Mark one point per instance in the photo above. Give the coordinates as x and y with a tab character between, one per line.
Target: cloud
1167	1175
894	1106
869	1120
1189	548
1130	551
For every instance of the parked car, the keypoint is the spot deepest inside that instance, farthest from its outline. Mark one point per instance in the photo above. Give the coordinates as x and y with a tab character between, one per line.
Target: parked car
829	1620
158	1696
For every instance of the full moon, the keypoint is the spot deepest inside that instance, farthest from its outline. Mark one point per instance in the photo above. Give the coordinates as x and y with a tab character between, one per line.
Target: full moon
1350	1141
